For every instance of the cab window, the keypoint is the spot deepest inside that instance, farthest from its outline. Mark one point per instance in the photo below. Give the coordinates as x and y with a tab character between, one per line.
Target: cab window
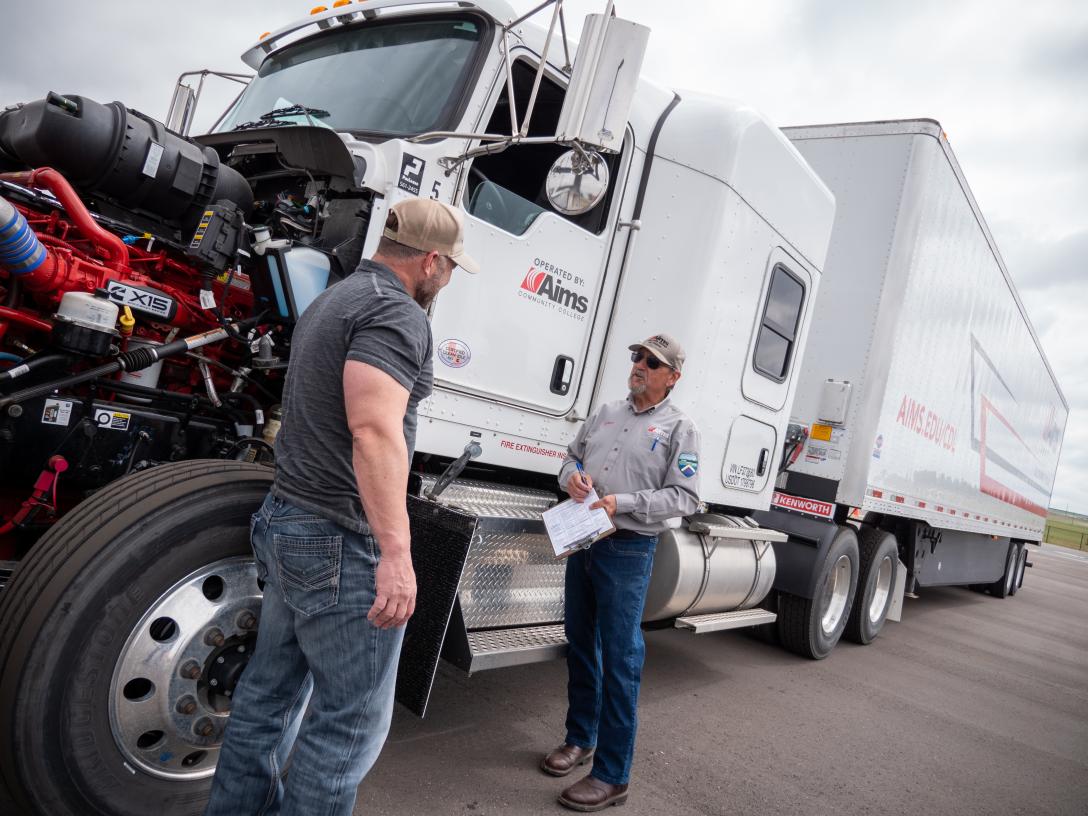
778	326
507	189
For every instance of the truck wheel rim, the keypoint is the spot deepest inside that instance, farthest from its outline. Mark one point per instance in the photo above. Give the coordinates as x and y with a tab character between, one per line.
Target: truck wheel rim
882	588
171	689
839	585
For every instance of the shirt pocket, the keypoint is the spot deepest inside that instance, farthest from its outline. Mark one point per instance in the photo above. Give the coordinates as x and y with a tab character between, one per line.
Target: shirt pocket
309	569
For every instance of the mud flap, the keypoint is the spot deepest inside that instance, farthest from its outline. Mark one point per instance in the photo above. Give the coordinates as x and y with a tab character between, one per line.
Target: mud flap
441	537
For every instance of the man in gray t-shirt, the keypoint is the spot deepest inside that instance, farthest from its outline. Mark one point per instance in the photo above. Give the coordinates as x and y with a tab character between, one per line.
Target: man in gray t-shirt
332	539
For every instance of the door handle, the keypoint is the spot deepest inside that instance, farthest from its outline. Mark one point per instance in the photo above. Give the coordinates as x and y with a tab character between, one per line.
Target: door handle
562	373
761	467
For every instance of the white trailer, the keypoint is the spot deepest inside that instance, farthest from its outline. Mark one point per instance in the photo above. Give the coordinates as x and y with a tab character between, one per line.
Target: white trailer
929	410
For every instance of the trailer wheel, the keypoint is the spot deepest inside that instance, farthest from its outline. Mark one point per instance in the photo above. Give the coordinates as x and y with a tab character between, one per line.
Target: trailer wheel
121	637
1021	563
812	627
876	580
1002	587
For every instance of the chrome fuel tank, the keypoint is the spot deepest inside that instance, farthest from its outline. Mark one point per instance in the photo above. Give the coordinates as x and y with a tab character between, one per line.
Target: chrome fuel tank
708	565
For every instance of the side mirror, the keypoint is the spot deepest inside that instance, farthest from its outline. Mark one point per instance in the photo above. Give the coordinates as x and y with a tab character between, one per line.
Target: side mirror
182	107
602	86
577	182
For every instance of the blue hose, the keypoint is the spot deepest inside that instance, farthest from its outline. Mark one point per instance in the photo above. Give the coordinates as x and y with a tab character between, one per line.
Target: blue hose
10	358
20	250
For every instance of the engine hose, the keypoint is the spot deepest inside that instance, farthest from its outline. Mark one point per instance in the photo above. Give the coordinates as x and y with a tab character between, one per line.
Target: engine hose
31	322
106	242
129	361
9	358
28	365
20	250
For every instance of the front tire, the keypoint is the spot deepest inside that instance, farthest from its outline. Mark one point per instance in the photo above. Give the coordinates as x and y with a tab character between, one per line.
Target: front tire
110	634
812	627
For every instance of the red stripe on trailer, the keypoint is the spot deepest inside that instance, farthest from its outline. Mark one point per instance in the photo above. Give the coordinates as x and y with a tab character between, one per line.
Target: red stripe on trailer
988	484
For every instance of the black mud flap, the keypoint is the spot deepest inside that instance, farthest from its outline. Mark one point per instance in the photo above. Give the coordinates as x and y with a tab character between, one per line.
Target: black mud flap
440	540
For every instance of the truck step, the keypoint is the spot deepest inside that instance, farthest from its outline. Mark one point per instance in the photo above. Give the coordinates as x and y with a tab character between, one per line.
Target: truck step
6	569
749	532
498	648
716	621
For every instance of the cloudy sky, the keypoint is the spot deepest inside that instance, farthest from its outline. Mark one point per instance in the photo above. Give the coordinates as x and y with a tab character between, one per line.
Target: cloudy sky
1007	79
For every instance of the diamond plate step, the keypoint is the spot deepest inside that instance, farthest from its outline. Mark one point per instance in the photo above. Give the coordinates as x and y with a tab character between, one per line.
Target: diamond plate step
717	621
6	569
497	648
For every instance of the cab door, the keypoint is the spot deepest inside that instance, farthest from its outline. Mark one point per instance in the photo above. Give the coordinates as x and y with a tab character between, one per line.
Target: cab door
519	331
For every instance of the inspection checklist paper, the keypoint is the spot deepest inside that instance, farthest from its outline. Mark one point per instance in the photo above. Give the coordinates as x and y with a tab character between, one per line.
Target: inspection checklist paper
572	526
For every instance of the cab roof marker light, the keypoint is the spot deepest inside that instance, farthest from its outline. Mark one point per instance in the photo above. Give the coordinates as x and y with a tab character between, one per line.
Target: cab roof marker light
264	35
370	10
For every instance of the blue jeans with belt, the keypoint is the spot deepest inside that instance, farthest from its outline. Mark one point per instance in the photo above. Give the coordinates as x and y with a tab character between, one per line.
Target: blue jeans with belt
605	594
319	586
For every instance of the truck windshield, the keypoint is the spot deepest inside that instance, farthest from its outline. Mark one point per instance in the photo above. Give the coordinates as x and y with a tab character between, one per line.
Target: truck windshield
403	77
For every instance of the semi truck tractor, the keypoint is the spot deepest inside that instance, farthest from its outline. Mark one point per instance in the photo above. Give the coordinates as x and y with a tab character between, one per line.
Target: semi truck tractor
877	415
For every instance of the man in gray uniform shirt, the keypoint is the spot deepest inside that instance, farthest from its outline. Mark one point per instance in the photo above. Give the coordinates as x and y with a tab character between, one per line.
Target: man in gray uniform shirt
332	540
642	456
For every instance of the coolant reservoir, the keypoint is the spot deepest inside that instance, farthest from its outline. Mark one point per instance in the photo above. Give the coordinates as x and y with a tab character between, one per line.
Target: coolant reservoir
699	574
84	323
308	273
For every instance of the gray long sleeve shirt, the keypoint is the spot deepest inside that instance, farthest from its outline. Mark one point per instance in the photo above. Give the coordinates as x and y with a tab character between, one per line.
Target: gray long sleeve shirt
648	459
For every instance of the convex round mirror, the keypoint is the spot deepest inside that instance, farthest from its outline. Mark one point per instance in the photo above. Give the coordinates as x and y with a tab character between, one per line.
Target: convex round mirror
577	182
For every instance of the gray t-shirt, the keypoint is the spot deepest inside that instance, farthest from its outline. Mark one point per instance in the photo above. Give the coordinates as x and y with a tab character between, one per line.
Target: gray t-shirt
369	317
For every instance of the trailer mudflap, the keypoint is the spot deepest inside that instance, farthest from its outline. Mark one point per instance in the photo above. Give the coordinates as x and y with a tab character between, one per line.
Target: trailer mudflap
441	537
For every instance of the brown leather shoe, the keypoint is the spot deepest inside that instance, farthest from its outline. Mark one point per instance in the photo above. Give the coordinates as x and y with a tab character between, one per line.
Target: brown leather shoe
565	759
590	794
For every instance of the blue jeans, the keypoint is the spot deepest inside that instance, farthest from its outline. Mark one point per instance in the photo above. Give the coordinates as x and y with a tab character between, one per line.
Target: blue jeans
605	593
319	586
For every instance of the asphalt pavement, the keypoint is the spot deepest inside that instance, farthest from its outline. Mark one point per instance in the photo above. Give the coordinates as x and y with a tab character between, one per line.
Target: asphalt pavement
970	705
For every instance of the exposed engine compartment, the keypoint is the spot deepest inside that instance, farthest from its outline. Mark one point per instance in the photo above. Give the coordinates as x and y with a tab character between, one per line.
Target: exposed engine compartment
148	285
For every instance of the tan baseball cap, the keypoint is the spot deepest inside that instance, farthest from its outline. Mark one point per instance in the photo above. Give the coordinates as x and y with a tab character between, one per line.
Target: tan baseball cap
431	226
665	348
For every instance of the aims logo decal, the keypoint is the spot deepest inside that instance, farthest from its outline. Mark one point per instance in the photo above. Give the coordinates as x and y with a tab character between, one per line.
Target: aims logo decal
543	284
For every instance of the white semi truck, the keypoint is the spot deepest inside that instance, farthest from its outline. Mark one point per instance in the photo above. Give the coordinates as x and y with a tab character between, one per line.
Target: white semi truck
876	412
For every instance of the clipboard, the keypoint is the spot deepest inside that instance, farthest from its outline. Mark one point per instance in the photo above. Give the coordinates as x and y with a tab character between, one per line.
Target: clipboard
572	526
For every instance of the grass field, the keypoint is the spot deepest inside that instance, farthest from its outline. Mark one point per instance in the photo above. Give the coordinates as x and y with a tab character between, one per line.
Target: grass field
1067	529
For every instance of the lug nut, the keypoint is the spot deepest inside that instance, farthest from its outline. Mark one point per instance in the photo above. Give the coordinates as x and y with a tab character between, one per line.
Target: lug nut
214	637
205	728
191	670
247	620
186	705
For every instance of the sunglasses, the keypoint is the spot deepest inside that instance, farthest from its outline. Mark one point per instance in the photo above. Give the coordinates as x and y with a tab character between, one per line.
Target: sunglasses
652	362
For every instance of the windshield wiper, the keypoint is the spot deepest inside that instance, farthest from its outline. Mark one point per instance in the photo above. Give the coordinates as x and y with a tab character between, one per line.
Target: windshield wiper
269	119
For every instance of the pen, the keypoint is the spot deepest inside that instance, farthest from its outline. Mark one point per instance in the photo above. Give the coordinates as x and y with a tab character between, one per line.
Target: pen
581	472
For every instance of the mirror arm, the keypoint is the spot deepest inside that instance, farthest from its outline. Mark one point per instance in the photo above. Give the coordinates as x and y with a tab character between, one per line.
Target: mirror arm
539	71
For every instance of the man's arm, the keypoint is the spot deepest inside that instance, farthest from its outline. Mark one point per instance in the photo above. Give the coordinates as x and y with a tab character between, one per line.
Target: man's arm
576	484
375	405
679	492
